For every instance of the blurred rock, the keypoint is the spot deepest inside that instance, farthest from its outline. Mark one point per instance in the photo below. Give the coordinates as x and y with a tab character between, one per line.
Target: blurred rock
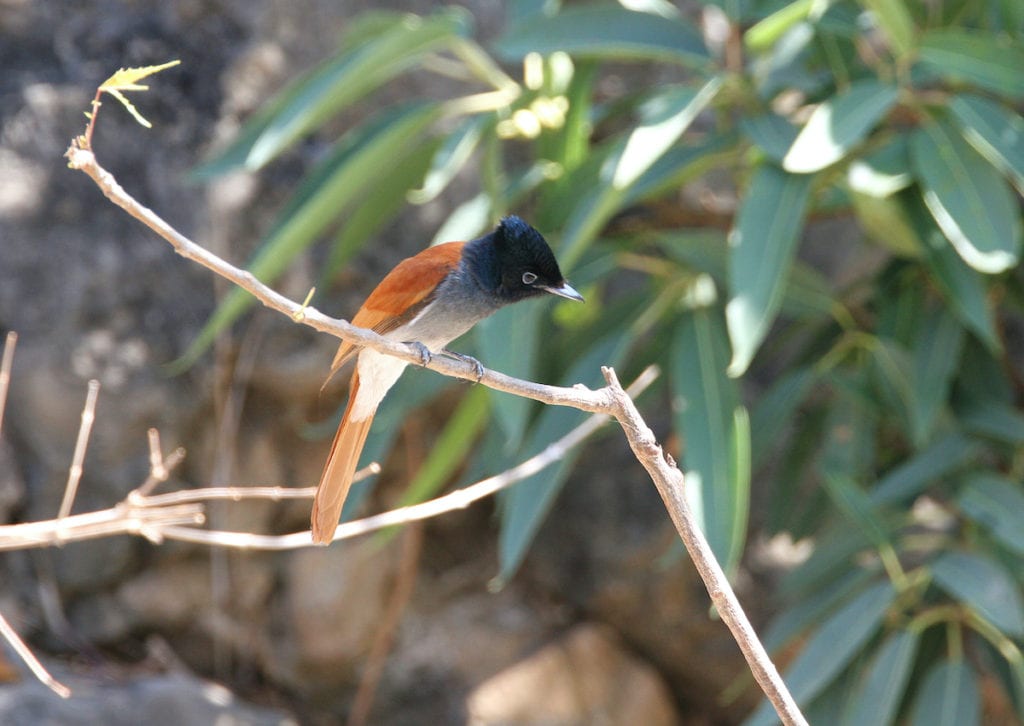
159	700
332	602
584	677
609	548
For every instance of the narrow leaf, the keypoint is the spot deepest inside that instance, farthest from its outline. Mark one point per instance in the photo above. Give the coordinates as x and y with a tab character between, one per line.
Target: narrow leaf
528	502
451	449
377	207
340	179
664	118
837	125
983	584
935	357
967	197
772	133
964	288
995	131
895	21
944	456
856	506
996	503
398	42
884	682
831	648
605	32
764	34
762	247
974	57
771	415
706	400
948	697
508	341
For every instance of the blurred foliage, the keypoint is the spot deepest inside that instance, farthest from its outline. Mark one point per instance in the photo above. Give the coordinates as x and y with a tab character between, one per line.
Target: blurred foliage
878	408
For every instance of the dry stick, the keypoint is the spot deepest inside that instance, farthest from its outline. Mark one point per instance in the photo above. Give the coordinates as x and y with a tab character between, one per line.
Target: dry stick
458	499
37	668
75	472
6	363
609	400
9	633
669	481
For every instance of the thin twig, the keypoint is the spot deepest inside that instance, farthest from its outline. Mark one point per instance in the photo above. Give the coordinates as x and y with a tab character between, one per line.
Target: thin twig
84	430
38	669
610	400
669	480
578	396
458	499
6	363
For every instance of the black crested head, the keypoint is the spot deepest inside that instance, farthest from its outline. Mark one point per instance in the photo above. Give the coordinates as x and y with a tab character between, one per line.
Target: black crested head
519	263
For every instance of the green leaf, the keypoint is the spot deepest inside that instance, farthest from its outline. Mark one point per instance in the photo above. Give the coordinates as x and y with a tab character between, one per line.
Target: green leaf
356	163
969	200
832	648
526	504
605	32
342	80
680	164
996	503
377	207
855	505
883	171
508	341
964	288
983	584
884	682
885	222
995	131
763	244
766	33
664	118
948	696
452	447
837	125
978	58
935	357
452	155
707	401
995	420
772	133
895	20
909	479
771	415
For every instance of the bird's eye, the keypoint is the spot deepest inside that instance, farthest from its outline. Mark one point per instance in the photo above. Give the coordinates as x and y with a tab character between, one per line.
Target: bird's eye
529	278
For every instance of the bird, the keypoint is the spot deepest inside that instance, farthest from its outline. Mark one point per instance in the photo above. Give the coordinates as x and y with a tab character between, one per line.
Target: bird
428	300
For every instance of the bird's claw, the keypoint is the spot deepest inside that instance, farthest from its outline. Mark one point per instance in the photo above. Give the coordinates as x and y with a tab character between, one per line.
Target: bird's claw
424	353
478	367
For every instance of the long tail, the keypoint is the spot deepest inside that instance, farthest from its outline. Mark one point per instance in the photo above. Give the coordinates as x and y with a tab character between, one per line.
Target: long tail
338	471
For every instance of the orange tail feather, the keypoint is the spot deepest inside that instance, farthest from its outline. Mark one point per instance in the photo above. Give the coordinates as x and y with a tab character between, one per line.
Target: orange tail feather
338	471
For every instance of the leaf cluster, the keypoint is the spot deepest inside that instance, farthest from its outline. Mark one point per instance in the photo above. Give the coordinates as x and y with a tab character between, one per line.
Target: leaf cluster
889	435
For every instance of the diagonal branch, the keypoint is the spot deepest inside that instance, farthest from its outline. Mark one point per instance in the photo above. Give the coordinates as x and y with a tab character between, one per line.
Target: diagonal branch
611	400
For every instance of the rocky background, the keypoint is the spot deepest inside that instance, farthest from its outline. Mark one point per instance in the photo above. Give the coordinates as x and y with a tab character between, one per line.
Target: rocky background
600	626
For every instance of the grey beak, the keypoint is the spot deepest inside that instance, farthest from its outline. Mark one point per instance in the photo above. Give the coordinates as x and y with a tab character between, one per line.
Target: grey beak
564	290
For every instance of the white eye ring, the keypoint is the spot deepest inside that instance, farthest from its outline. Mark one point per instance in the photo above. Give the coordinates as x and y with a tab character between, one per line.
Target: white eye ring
529	278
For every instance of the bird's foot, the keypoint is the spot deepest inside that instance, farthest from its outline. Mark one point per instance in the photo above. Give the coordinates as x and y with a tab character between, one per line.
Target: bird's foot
421	350
478	367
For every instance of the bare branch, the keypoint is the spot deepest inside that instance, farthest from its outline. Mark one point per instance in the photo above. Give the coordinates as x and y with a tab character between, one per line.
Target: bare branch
81	444
37	668
579	396
610	400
